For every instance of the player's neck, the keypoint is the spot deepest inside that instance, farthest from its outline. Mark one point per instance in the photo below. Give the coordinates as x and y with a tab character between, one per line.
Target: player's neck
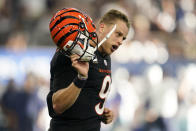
101	51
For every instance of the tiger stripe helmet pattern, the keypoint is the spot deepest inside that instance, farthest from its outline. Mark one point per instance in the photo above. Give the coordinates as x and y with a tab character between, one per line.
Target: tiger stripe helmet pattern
74	32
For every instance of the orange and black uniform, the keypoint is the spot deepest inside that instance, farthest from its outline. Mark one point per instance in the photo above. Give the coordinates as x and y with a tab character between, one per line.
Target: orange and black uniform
85	113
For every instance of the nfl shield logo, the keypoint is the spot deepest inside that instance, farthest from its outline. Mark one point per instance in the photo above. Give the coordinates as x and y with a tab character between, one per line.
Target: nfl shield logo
105	62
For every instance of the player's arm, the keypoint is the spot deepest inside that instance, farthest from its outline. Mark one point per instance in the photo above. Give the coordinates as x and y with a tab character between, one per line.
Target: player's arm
66	97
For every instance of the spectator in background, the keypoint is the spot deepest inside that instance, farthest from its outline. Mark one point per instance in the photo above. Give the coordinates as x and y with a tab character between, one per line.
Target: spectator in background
24	105
8	106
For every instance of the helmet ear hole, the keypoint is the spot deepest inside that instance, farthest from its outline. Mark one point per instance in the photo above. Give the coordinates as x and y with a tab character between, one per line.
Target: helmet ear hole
94	34
82	25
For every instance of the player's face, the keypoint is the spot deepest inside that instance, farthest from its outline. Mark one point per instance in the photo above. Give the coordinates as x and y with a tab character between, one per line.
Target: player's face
116	39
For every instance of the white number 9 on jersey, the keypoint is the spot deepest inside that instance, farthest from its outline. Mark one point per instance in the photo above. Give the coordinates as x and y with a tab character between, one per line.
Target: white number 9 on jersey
105	89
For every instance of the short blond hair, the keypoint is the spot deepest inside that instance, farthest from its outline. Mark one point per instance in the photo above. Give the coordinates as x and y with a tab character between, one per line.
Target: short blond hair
113	15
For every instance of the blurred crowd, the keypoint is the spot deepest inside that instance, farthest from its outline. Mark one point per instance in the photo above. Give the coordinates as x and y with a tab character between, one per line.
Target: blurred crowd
154	71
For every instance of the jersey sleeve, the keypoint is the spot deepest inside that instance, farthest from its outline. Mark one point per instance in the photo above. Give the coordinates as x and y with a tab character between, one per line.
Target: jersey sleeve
62	72
62	75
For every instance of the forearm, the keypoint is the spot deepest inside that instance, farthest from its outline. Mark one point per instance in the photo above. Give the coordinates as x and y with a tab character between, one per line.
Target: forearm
65	98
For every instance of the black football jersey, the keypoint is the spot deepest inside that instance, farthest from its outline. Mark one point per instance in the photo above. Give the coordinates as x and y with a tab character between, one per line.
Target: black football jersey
88	108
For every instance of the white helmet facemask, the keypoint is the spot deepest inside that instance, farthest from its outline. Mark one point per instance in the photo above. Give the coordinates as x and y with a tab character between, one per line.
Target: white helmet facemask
84	46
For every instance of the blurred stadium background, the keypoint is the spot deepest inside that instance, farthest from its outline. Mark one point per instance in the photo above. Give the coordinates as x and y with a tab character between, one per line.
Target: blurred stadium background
154	72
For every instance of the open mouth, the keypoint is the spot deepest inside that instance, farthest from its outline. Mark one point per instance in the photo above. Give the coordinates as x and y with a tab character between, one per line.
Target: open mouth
114	47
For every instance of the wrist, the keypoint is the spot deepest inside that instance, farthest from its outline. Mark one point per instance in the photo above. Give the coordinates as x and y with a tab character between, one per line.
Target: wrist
82	77
80	81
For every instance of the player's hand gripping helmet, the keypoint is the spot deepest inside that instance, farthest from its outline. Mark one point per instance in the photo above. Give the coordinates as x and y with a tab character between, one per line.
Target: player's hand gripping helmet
75	33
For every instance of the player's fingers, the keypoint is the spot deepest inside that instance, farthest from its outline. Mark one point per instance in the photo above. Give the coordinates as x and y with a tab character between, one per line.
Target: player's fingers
74	57
108	121
109	118
107	114
106	110
74	63
83	62
111	114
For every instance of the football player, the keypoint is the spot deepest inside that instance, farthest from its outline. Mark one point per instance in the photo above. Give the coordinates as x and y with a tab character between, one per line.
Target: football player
81	68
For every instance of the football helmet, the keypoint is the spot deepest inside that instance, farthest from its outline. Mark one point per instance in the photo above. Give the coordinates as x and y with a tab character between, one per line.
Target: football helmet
74	33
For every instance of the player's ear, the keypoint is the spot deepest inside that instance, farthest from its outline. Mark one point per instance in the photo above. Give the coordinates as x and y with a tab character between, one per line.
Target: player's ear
101	27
